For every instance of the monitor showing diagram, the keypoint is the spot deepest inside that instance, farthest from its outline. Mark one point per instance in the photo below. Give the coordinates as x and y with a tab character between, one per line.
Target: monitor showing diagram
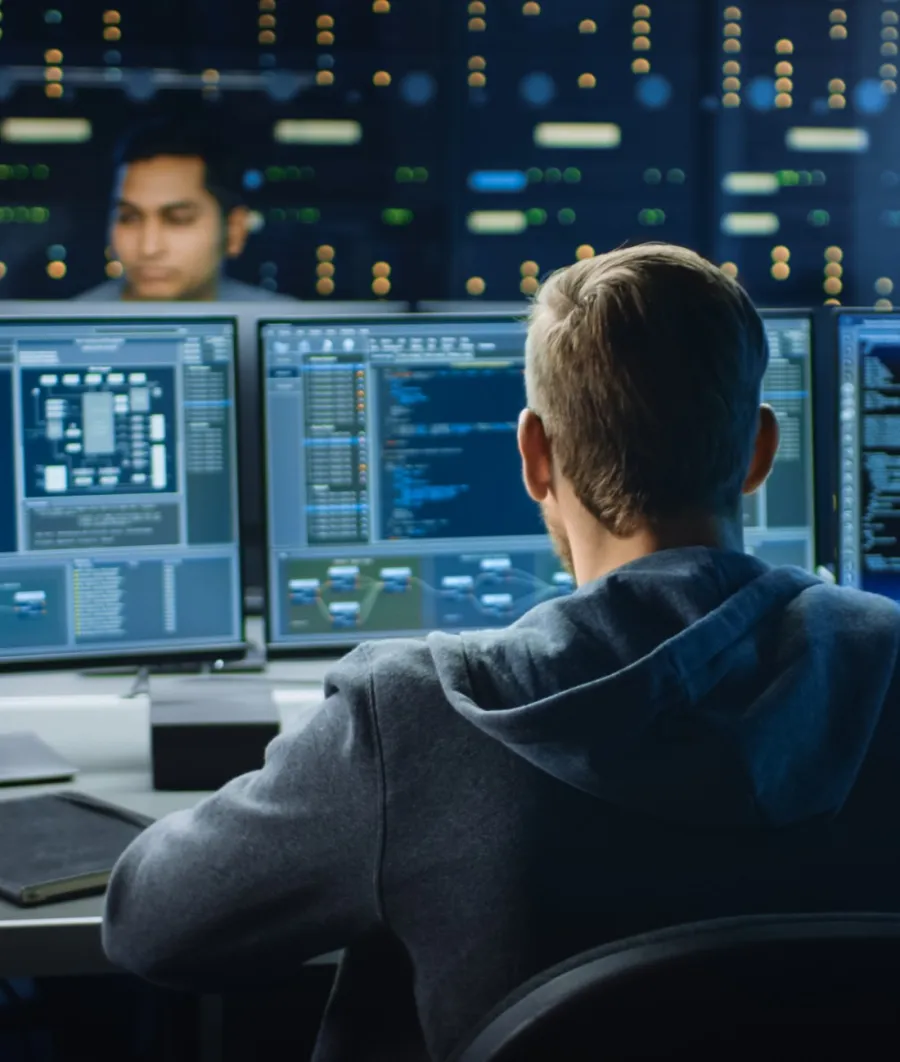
395	501
118	488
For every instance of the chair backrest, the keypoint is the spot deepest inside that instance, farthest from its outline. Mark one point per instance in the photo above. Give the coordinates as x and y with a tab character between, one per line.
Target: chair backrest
727	989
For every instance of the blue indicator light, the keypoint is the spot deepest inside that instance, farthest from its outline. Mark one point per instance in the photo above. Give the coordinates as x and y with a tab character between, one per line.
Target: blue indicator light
498	181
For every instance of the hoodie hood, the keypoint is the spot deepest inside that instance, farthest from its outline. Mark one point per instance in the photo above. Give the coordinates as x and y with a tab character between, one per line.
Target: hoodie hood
699	686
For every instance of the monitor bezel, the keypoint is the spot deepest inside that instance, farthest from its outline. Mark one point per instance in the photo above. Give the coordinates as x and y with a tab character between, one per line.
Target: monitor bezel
150	656
281	650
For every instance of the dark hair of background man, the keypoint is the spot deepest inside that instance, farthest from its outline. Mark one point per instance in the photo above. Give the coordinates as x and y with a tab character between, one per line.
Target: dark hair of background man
188	139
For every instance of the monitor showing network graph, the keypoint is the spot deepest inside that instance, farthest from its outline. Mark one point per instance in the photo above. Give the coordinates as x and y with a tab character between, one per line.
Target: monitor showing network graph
780	518
395	503
869	451
118	489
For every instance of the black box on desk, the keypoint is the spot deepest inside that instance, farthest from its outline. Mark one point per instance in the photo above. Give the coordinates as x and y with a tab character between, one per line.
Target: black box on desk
201	738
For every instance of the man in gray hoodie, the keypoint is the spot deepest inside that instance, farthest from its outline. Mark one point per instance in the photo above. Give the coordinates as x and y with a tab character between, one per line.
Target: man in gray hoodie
690	734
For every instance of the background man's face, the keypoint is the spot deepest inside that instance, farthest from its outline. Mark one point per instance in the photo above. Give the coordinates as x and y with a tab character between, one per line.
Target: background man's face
168	231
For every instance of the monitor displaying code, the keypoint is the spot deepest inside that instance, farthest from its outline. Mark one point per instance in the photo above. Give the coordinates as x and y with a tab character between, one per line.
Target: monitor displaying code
869	452
395	500
394	495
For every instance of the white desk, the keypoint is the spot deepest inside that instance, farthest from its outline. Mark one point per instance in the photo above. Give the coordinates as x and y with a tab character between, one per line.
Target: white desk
63	939
92	722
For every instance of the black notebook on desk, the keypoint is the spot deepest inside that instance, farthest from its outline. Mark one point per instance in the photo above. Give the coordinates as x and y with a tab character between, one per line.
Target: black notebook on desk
61	845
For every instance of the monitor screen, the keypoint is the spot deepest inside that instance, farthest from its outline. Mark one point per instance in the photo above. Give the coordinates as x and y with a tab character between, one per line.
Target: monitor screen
869	451
395	502
394	496
779	519
118	489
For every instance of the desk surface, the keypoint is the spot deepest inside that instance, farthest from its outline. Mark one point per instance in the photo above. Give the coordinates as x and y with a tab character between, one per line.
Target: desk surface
63	939
85	719
133	791
90	720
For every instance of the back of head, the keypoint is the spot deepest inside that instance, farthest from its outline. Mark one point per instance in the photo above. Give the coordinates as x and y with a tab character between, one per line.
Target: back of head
645	366
189	138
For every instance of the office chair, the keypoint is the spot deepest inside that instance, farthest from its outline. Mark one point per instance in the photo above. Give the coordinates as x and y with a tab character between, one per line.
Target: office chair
759	987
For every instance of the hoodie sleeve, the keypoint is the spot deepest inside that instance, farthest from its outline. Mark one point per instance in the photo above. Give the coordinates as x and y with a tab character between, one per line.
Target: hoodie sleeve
279	866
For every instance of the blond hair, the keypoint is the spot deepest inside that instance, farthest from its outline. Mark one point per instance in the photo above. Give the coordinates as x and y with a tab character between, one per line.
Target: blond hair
645	366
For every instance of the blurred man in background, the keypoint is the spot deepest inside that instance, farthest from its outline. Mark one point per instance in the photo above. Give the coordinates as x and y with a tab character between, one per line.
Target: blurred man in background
178	214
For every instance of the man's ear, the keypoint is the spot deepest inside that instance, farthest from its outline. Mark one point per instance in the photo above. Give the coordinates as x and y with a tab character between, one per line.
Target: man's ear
534	447
237	229
764	450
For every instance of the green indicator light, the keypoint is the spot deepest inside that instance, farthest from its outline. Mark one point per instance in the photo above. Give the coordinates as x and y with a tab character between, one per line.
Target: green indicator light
651	217
397	216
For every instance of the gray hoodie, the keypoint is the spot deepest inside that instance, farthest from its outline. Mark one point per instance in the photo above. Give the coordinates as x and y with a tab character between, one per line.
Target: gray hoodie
695	735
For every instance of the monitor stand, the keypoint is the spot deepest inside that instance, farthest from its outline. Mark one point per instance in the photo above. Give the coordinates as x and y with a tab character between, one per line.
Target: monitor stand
140	686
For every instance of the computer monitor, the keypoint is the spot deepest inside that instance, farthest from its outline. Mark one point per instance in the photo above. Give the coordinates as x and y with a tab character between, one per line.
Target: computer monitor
780	518
394	496
868	431
119	536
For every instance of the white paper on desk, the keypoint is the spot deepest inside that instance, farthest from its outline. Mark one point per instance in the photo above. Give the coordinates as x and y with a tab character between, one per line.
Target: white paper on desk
296	707
94	731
